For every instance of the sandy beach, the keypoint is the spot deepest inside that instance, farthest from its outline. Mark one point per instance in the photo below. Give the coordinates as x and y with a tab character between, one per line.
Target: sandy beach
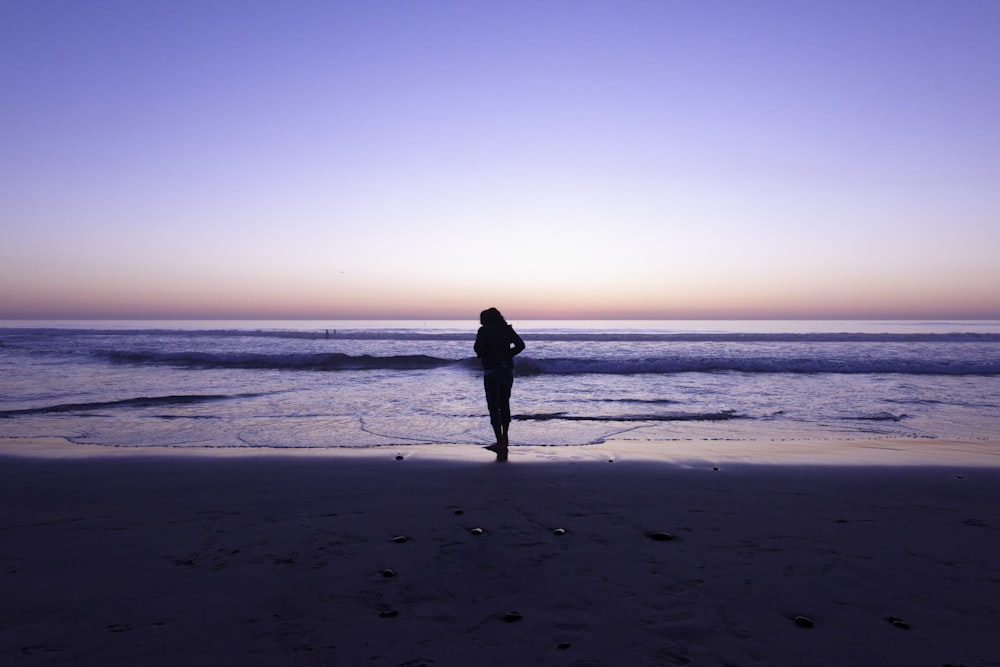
846	553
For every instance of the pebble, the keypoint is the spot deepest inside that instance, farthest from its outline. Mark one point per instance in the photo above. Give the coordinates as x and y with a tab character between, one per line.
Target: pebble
563	645
399	539
803	621
476	531
559	531
898	623
512	617
660	536
388	613
399	457
459	511
388	572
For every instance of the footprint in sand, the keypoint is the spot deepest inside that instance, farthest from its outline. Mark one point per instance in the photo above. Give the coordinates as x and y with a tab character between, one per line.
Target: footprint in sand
376	600
671	656
491	631
34	649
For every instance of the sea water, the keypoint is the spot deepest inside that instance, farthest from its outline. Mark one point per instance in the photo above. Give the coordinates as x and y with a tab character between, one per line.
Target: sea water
280	384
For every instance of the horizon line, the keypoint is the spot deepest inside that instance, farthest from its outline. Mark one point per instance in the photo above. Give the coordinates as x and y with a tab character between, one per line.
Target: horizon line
474	316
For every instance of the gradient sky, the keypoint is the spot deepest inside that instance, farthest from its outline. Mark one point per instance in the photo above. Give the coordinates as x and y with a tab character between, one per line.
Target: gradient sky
659	159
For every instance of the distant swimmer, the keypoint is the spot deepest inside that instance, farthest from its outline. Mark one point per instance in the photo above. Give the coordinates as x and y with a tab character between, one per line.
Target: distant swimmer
496	346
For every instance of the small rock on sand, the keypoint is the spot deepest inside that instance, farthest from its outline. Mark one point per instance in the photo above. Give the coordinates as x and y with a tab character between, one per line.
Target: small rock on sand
898	623
803	621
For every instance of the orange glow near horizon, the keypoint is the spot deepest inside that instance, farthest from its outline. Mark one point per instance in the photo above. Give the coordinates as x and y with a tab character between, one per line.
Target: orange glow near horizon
422	301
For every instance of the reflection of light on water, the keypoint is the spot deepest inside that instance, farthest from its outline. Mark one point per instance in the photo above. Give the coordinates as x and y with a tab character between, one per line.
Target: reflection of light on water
290	407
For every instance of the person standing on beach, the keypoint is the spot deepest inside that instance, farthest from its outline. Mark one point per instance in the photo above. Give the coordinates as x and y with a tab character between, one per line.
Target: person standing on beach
496	345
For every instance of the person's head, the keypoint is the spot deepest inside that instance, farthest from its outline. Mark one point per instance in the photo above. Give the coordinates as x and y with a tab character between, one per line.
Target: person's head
491	317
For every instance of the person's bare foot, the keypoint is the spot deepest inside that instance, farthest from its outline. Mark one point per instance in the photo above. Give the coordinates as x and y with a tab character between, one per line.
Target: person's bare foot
499	450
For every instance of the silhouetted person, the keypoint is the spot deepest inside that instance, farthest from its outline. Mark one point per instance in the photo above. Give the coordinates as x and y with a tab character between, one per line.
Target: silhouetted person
496	345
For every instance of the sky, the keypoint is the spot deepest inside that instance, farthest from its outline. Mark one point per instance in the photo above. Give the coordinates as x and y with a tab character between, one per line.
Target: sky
673	159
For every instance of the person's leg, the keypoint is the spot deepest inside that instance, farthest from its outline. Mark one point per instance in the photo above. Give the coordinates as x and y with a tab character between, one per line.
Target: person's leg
494	403
506	384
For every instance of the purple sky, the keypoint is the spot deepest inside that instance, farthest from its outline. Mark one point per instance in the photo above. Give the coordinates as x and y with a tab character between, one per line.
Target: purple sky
556	159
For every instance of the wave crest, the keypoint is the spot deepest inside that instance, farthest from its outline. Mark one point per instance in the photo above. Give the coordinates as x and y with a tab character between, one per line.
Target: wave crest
529	366
334	361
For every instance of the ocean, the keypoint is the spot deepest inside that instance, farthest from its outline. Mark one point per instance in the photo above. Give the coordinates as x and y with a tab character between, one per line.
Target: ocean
296	384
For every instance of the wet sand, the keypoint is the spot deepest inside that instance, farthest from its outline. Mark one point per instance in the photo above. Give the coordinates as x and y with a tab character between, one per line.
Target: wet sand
622	554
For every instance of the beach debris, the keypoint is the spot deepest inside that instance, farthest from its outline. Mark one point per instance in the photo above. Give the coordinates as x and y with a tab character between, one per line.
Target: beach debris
898	623
476	531
512	617
559	531
660	536
803	621
388	613
399	539
388	573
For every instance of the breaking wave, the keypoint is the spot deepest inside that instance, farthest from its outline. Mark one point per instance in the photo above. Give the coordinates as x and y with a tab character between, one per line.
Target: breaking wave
528	366
335	361
677	417
137	402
